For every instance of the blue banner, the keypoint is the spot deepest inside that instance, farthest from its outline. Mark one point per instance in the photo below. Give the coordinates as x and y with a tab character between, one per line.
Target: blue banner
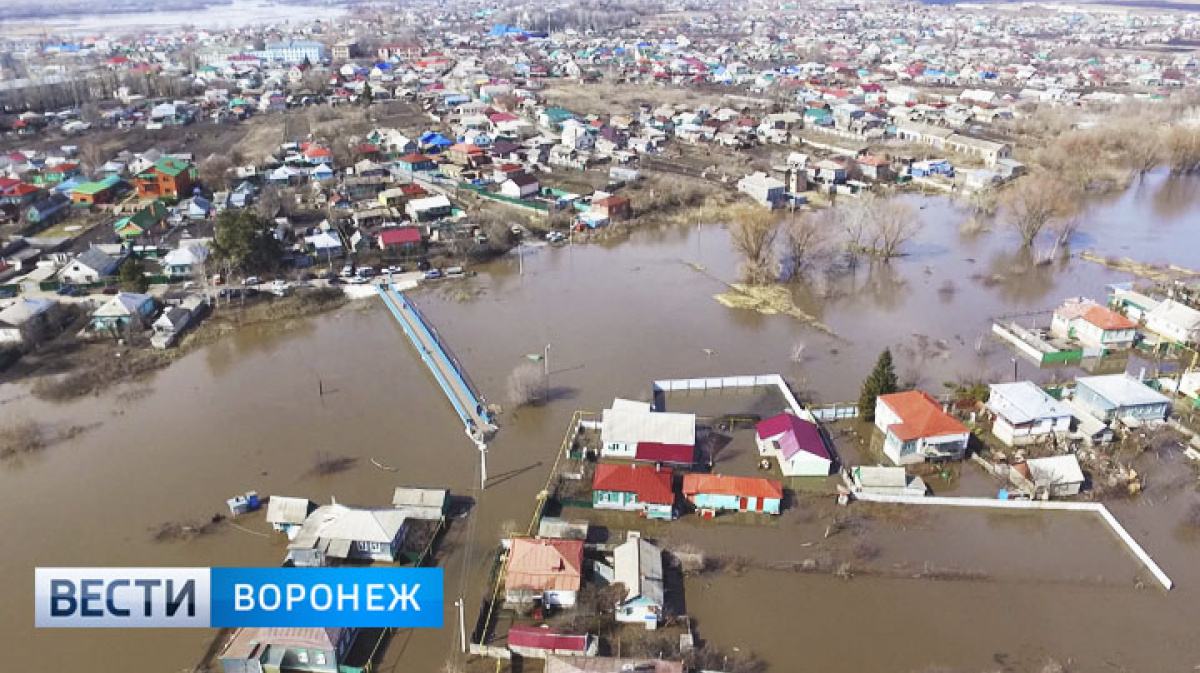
235	597
327	597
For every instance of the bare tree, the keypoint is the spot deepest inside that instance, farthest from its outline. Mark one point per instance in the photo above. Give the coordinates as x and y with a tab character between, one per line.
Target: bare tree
754	232
1036	201
1142	148
269	202
214	172
525	385
93	155
853	219
804	236
894	223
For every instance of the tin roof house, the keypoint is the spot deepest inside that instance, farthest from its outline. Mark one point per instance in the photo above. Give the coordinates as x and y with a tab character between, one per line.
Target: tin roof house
540	642
286	514
634	488
297	650
1025	414
346	533
711	493
639	568
550	571
1120	397
916	429
1093	325
633	430
796	443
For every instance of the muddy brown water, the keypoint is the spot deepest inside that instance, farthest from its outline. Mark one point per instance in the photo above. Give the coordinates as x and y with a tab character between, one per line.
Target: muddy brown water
245	413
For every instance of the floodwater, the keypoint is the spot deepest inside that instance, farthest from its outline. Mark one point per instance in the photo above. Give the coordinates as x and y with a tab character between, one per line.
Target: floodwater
221	16
245	413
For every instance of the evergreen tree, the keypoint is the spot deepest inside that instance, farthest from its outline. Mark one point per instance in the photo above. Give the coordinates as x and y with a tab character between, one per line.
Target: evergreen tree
367	94
133	276
882	381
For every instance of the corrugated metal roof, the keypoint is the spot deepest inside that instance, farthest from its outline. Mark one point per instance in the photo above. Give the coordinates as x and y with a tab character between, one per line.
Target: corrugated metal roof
651	485
544	565
638	566
633	426
542	638
1023	402
719	484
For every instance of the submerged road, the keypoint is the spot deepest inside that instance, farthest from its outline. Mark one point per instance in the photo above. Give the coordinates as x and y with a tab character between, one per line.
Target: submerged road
469	407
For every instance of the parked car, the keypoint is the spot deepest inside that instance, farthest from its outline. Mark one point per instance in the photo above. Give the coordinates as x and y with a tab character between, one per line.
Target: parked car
395	268
366	272
556	237
454	271
251	281
8	292
110	290
347	271
69	291
423	265
280	288
359	280
433	274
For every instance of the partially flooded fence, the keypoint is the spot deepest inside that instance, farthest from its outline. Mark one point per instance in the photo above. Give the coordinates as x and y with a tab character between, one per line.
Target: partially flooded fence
989	503
664	386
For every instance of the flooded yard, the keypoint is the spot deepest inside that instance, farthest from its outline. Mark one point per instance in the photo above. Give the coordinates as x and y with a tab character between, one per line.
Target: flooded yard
247	413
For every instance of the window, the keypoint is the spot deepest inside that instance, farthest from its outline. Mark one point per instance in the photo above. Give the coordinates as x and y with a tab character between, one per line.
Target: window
319	658
302	656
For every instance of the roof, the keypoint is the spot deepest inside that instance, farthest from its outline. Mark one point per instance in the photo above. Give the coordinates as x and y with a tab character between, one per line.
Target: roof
542	638
1055	470
544	565
407	496
635	426
1122	390
638	565
340	523
1107	319
122	304
282	509
171	166
24	309
400	236
652	485
1023	402
872	476
95	259
414	158
794	435
246	640
921	416
719	484
657	452
430	203
556	664
1171	311
522	179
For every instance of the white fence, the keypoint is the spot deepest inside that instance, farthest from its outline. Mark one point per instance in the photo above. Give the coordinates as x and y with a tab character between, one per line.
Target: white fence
1034	504
725	382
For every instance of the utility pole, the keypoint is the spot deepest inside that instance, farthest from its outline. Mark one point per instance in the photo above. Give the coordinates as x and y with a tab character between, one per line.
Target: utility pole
482	464
520	259
462	625
1014	361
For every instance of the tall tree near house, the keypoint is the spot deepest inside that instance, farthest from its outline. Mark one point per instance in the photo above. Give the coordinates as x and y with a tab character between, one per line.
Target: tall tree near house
133	275
367	95
1037	201
882	381
804	237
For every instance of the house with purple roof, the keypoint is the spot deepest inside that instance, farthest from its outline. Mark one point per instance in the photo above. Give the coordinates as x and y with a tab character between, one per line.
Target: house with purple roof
797	445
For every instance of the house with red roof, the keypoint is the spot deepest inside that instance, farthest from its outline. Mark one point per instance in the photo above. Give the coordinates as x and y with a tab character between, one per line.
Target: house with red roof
550	571
633	430
634	488
796	444
916	429
712	493
315	154
1093	325
541	641
400	239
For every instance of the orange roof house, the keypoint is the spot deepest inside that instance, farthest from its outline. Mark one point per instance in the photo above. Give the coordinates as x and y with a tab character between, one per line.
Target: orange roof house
168	177
916	428
1092	325
550	570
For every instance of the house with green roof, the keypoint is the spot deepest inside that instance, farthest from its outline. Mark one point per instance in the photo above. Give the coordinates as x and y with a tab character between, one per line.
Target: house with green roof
88	194
169	177
142	221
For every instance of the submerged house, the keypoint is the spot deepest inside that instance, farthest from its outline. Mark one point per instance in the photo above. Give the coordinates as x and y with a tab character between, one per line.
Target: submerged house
711	493
796	443
916	429
346	533
1093	325
1025	414
549	571
638	566
633	430
634	488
